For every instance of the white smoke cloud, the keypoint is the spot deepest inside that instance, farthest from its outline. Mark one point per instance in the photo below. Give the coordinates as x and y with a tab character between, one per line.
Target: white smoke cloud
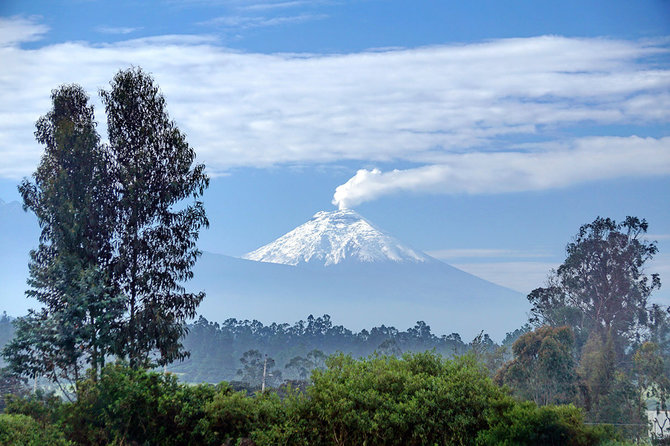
588	159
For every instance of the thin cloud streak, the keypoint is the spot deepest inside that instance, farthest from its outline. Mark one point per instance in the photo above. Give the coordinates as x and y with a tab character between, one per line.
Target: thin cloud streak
479	253
519	276
266	6
17	29
248	22
116	30
425	105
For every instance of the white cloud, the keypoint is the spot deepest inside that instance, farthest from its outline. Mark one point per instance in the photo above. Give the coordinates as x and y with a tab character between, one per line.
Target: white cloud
247	22
588	159
519	276
14	30
116	30
272	5
422	105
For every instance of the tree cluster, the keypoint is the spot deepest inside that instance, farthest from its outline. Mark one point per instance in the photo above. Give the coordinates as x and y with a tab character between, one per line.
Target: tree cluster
116	246
598	341
216	348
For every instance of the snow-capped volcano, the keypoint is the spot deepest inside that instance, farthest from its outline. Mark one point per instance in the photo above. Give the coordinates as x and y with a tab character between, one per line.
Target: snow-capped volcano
336	237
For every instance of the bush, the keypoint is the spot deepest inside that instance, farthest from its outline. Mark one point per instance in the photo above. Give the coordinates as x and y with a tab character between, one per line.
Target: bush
233	416
137	406
382	400
22	430
45	408
525	423
414	400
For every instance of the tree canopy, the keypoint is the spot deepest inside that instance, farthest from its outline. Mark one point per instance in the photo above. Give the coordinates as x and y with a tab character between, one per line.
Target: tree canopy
69	271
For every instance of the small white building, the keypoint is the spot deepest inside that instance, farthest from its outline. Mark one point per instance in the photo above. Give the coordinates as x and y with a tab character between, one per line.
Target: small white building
659	422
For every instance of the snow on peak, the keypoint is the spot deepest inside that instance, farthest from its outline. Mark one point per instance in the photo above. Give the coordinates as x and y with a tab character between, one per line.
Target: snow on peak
331	238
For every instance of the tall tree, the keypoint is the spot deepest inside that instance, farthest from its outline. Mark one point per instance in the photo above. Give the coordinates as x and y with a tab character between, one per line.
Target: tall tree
153	171
601	286
602	291
71	196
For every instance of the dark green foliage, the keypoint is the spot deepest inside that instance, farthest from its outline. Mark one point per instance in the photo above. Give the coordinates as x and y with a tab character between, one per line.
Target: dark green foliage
153	172
45	408
526	424
418	399
128	405
414	400
543	368
115	248
72	199
233	416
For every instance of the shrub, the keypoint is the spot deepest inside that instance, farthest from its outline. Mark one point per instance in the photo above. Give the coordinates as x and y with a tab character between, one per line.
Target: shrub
414	400
22	430
136	406
524	423
382	400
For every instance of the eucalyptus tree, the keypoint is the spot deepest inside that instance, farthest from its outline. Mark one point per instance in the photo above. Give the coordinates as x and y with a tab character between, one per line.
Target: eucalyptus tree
71	196
602	289
154	232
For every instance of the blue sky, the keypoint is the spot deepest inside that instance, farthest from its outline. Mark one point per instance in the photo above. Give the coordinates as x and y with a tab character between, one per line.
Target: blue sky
482	132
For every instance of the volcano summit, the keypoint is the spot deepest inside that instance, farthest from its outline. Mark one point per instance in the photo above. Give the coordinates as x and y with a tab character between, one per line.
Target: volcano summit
337	237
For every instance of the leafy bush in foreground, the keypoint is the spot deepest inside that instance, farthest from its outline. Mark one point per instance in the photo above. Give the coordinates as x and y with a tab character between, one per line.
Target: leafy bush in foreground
527	424
414	400
22	430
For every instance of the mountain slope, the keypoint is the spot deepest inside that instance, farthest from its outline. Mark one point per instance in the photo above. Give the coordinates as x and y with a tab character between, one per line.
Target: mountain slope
340	264
370	279
397	294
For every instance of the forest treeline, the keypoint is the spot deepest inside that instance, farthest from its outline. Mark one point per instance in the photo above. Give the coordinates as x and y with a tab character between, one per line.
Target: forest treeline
118	241
216	350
